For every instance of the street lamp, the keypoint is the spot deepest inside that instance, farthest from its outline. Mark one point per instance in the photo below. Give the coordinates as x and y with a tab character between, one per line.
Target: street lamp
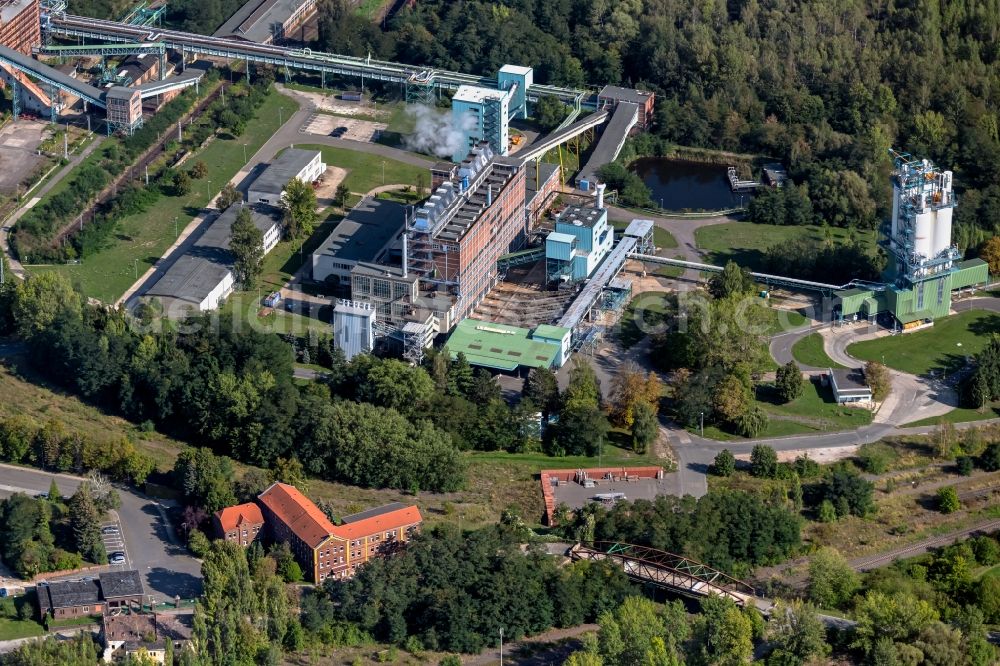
383	172
175	226
501	646
701	422
244	153
280	117
209	191
136	263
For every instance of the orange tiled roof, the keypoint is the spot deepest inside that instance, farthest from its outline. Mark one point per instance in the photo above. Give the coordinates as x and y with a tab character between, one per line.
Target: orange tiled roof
381	523
296	510
233	516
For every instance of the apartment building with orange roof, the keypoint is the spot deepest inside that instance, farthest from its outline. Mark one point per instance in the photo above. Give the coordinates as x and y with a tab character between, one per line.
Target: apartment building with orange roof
242	524
325	550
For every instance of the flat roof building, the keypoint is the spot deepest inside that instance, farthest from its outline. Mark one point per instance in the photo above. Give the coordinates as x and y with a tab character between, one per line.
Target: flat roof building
268	21
202	278
509	348
365	235
269	186
20	25
354	327
849	385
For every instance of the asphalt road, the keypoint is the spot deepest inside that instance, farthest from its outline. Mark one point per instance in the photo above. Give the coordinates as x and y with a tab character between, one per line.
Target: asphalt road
152	548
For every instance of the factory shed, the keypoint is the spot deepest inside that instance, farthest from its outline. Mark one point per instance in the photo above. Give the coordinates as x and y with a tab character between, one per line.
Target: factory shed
508	348
361	237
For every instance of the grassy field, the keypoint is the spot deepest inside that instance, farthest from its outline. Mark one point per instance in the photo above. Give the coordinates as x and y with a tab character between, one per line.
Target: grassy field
11	629
943	347
960	415
746	243
662	238
365	171
813	411
142	239
27	393
642	316
809	351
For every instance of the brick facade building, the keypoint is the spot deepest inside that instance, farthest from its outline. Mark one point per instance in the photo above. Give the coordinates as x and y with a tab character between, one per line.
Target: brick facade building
242	524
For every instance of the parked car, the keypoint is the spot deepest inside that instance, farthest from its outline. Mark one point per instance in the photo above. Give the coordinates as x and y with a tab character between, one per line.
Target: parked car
117	558
110	529
338	132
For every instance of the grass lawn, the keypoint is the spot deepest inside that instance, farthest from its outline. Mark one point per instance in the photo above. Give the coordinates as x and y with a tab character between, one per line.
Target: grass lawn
813	411
365	171
745	242
142	239
641	317
809	351
368	8
11	629
943	347
960	415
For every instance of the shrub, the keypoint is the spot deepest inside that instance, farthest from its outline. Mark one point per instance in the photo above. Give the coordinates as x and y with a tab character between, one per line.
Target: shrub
965	465
763	462
948	501
724	463
876	457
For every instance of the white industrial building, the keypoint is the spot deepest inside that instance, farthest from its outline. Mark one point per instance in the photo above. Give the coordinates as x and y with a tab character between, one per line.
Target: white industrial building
269	186
364	236
354	327
202	278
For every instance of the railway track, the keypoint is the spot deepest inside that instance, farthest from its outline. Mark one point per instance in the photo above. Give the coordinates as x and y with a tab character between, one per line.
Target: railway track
869	563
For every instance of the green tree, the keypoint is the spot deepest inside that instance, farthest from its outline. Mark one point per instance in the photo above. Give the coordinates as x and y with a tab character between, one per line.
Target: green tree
645	427
182	183
549	112
341	194
299	204
832	581
796	633
41	299
732	281
631	631
86	525
724	463
228	196
763	462
789	382
990	458
733	398
199	170
849	492
947	499
542	388
247	246
879	380
724	633
752	423
899	617
827	512
875	457
583	387
965	465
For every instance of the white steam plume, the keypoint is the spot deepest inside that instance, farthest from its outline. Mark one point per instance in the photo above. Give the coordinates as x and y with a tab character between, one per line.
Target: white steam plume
436	132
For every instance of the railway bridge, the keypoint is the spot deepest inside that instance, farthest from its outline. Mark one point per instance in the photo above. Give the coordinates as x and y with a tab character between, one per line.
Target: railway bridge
670	572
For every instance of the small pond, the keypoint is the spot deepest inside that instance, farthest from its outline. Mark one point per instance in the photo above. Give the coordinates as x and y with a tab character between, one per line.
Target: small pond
680	184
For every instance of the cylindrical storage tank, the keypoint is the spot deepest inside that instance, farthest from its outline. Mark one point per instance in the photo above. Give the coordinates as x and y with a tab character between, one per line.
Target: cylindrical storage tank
923	238
942	230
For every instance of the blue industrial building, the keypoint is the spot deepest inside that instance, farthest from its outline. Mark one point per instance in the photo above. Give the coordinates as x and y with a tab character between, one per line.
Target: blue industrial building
484	114
581	240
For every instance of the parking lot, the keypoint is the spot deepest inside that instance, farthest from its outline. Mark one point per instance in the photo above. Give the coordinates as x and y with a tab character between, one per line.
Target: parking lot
145	536
353	129
114	544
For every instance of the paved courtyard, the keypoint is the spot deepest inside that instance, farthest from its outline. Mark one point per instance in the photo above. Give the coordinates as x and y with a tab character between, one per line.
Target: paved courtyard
19	157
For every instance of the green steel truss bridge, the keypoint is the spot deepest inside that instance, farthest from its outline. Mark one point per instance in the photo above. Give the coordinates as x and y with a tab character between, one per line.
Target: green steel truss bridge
668	571
66	25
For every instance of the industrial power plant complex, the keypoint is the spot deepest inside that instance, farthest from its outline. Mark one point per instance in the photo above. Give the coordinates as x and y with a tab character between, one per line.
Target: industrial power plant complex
403	276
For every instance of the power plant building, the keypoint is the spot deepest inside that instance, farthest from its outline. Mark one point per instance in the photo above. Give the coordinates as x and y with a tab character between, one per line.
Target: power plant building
581	240
484	114
924	267
20	25
354	327
457	235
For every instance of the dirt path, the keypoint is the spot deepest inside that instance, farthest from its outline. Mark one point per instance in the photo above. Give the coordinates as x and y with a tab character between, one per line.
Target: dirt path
549	647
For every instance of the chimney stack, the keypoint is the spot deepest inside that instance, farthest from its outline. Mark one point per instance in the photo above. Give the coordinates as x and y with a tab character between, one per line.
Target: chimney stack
405	267
600	196
489	195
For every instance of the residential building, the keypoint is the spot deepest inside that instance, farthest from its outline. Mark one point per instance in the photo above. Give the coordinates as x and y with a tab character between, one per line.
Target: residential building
134	635
373	533
68	599
111	591
269	186
365	235
121	589
242	524
293	519
611	96
325	550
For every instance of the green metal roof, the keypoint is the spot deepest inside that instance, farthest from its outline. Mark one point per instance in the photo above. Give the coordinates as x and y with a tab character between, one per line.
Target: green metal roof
500	346
550	332
853	291
914	316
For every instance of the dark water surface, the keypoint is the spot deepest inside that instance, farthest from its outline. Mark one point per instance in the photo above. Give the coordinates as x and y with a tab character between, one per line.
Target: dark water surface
680	184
